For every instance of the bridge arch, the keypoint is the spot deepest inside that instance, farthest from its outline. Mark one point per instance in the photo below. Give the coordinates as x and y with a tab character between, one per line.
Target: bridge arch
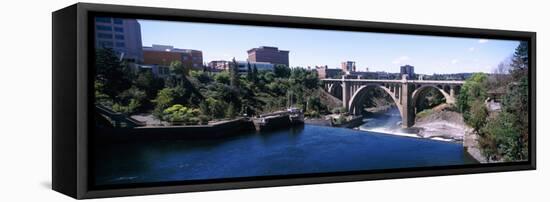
404	93
336	90
421	90
358	98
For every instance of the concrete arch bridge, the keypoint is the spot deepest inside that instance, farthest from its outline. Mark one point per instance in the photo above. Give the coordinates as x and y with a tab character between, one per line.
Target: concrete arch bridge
405	93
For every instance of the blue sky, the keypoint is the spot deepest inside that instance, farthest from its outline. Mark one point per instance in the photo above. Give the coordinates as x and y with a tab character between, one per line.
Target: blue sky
309	47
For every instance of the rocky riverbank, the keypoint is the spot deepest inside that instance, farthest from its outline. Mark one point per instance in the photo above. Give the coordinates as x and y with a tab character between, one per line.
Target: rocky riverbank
443	123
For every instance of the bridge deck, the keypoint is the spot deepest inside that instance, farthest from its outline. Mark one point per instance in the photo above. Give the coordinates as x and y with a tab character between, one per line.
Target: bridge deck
397	81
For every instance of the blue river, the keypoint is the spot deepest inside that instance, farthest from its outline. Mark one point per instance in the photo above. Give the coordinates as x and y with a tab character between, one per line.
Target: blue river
300	150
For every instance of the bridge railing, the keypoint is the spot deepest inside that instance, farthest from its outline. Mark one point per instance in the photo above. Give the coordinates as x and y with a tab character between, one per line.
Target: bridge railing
398	81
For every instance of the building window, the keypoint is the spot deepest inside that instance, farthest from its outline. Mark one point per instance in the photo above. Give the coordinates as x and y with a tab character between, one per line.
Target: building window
104	28
103	19
119	37
104	36
164	70
120	44
117	21
105	44
119	29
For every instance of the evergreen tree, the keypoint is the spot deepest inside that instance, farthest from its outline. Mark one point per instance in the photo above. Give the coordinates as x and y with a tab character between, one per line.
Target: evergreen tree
520	61
234	74
248	71
281	71
110	73
255	74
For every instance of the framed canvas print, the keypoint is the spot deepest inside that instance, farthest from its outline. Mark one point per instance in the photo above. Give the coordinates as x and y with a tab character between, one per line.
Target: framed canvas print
154	100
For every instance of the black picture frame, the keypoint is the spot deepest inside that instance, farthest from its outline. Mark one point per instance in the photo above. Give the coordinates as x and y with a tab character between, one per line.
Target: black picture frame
72	98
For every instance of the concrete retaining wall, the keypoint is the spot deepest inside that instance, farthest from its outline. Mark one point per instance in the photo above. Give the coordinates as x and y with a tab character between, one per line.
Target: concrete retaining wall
222	129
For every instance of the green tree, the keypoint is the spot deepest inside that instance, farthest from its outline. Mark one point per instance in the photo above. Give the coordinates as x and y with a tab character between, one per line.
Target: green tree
471	101
222	77
234	74
201	76
110	73
178	69
506	135
520	61
516	100
213	108
178	72
503	138
129	100
477	115
248	71
145	81
255	74
281	71
185	115
166	98
510	129
474	89
314	105
100	96
231	112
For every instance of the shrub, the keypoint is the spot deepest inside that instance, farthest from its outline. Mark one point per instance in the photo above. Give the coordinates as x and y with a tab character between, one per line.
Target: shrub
179	113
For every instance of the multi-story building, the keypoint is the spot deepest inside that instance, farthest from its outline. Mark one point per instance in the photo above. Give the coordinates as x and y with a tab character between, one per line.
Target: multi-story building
382	75
221	65
348	67
163	56
260	66
364	75
218	65
268	54
407	70
157	70
455	76
323	72
121	35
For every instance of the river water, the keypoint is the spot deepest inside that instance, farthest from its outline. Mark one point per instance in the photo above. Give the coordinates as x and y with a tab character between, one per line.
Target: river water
387	122
305	149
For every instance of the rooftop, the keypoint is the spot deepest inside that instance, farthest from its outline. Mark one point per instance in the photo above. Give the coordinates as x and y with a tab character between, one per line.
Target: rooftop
266	48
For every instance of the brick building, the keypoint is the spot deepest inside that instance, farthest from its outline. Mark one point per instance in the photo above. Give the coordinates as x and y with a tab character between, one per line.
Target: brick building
323	72
268	54
164	55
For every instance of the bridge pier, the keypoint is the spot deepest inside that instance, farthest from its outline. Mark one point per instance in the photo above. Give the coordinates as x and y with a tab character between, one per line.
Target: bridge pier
407	110
345	94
